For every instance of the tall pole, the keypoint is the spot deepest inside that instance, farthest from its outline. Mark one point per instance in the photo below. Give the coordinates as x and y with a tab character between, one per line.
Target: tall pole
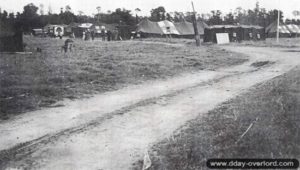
278	20
197	37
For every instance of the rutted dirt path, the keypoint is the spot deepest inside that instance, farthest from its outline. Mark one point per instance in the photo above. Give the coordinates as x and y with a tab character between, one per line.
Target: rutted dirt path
112	130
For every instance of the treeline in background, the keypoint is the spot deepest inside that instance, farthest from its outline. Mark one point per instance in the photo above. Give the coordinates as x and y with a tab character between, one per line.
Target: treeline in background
34	16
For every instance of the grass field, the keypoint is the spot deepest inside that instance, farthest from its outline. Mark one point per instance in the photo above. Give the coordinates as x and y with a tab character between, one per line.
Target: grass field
271	42
273	110
32	81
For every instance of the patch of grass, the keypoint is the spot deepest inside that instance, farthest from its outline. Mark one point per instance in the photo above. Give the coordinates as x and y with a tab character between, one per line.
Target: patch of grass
94	67
273	108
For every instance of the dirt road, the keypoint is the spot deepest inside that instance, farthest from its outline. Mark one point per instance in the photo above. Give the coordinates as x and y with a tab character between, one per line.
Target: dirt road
114	129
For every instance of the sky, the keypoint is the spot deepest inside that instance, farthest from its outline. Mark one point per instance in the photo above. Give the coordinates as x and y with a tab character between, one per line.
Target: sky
201	6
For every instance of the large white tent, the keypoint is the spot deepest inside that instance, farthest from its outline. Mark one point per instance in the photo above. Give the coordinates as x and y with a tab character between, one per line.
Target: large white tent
167	27
284	30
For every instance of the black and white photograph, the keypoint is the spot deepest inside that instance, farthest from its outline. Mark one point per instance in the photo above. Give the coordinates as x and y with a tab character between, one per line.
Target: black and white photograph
149	84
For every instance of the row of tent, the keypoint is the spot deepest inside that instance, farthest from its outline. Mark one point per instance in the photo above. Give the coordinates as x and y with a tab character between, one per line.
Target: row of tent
76	28
235	32
186	29
181	29
288	30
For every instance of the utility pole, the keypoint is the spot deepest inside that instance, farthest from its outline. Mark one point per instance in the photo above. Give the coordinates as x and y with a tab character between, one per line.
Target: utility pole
277	33
278	20
197	37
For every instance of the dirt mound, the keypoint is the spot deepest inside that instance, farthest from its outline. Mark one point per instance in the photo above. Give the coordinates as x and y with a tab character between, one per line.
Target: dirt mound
260	63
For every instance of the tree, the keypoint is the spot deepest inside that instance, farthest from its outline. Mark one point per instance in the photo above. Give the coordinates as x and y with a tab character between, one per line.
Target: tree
30	18
67	17
169	17
98	9
80	13
215	18
137	10
4	15
68	8
49	10
41	9
122	16
11	16
30	11
158	14
229	19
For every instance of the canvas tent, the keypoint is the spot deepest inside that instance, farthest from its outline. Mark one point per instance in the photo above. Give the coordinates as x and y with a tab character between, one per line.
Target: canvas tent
294	29
149	28
38	32
108	27
69	29
79	28
236	33
271	30
168	27
252	32
180	29
55	30
11	38
186	29
201	27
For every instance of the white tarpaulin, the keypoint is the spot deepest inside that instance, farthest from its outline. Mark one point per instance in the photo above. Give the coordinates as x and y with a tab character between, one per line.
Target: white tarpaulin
294	28
168	27
284	29
85	25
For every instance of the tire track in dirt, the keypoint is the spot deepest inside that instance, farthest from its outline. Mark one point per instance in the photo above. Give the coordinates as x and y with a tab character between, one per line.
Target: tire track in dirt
18	152
115	142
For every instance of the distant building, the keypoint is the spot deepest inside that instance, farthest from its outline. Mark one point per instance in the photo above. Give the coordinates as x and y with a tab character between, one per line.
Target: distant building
38	32
11	38
55	30
78	29
236	33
